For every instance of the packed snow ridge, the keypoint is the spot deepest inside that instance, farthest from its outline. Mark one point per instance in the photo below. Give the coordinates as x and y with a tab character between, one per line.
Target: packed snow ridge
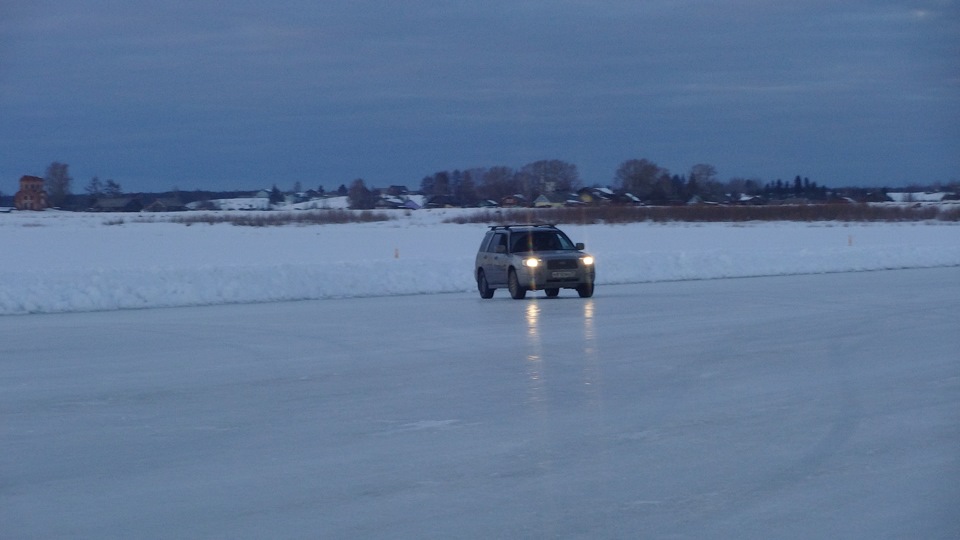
67	262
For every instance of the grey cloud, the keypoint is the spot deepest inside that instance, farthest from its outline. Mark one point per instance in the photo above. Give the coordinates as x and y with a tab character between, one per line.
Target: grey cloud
519	77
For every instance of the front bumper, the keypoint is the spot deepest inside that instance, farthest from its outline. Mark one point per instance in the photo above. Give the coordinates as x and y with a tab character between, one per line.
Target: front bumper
543	277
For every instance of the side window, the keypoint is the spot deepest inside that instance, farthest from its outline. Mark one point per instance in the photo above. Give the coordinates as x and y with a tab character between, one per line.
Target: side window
485	244
499	239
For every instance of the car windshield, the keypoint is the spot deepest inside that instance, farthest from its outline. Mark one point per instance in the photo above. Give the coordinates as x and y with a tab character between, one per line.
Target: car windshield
540	241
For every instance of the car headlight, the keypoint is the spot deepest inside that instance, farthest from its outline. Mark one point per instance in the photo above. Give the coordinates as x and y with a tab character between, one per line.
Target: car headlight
588	260
531	263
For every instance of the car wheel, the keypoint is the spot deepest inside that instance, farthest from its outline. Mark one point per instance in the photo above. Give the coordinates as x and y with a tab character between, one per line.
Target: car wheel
483	286
585	290
516	291
551	293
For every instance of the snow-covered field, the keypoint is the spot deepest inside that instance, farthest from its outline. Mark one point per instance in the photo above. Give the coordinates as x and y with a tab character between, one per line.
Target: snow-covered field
68	262
808	406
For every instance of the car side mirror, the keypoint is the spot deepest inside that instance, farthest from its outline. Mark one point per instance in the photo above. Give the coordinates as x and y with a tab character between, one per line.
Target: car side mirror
500	249
580	246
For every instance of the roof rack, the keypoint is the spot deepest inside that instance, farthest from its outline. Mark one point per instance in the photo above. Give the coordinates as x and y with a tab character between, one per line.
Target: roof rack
545	225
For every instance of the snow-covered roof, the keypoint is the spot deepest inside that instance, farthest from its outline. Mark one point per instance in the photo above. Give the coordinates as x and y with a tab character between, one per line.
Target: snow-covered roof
907	196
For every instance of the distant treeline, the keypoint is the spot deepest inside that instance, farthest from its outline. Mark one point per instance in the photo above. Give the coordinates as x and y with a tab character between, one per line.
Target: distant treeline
643	179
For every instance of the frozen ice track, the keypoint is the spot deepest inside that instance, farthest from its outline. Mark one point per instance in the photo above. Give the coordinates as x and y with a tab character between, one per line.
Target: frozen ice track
795	407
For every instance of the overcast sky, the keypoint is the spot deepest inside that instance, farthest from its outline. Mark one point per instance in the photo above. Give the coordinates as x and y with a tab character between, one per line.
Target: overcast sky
200	94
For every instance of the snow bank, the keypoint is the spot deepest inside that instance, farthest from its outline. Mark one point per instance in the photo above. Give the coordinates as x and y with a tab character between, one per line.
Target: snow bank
61	262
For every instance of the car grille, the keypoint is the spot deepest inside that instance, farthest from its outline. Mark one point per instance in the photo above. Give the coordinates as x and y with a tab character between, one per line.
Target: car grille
562	264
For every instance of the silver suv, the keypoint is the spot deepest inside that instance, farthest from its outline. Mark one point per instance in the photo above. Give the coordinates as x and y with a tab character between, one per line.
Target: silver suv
531	258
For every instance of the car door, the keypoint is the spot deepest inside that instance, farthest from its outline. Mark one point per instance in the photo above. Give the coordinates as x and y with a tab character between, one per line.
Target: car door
497	269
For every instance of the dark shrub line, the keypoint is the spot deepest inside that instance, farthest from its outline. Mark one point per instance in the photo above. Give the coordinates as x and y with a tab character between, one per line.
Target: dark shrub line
707	213
274	219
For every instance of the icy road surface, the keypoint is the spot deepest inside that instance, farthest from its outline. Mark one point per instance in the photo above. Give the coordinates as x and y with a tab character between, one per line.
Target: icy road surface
820	406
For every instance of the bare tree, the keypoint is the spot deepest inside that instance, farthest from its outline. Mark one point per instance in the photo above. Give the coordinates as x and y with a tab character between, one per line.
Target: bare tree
95	187
359	196
701	176
276	196
744	186
498	182
464	188
549	176
112	189
57	182
641	177
437	184
703	173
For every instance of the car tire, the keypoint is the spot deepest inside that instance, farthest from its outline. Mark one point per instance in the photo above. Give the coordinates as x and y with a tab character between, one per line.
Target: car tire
517	292
552	292
485	291
585	290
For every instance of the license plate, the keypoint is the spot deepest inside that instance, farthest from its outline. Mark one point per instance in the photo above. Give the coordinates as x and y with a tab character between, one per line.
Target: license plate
561	275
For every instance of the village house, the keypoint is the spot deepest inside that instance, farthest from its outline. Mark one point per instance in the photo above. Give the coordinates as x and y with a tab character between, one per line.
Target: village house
595	195
441	201
117	204
165	204
513	201
31	195
551	200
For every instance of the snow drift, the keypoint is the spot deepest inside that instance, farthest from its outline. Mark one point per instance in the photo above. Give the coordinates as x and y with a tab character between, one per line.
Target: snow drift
62	262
